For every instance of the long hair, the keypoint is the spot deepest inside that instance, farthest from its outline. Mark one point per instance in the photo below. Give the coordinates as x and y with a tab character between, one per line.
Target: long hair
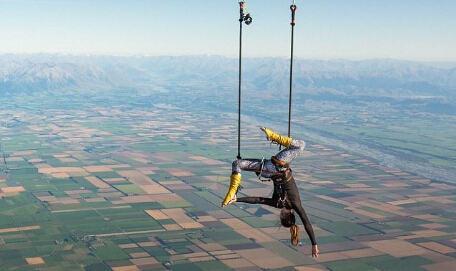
288	220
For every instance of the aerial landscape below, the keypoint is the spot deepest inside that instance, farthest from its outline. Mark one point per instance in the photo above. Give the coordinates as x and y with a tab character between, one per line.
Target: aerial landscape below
131	185
242	135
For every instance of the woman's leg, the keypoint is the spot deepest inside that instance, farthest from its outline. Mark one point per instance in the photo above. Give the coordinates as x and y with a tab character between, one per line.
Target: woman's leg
296	148
246	164
235	178
292	149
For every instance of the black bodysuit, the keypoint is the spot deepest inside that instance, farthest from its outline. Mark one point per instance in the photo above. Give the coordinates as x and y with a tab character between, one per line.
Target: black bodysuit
285	195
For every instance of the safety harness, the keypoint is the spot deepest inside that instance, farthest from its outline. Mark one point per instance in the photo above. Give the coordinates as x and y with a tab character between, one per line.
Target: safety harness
283	176
279	185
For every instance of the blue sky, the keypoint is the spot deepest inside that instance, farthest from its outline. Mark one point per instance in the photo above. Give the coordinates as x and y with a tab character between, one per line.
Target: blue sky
351	29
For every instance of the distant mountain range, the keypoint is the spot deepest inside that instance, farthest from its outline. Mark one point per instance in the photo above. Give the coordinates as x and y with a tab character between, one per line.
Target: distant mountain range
337	78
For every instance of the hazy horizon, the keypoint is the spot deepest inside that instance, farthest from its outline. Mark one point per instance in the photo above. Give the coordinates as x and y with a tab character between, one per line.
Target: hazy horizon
447	63
412	30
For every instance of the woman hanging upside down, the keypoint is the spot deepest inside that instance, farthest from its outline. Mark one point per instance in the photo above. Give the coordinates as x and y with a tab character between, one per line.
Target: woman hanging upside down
286	193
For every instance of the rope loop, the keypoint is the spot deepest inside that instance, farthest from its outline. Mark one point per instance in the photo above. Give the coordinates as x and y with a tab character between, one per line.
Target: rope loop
293	9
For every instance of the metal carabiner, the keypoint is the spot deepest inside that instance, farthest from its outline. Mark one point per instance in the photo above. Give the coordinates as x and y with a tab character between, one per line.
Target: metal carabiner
245	17
248	19
261	171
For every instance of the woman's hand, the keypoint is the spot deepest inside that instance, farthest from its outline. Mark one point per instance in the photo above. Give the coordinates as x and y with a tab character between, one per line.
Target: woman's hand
315	251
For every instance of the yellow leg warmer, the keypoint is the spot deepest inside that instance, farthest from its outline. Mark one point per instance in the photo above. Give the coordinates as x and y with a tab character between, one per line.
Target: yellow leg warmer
275	137
235	181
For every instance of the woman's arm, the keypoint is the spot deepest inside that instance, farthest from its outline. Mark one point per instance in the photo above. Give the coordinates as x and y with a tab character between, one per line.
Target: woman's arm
305	221
295	202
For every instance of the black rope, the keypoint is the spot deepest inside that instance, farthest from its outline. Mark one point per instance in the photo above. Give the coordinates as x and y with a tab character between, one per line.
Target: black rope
241	18
248	20
293	11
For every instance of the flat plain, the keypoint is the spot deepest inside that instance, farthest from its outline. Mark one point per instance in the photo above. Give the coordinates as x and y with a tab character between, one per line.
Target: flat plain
102	187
